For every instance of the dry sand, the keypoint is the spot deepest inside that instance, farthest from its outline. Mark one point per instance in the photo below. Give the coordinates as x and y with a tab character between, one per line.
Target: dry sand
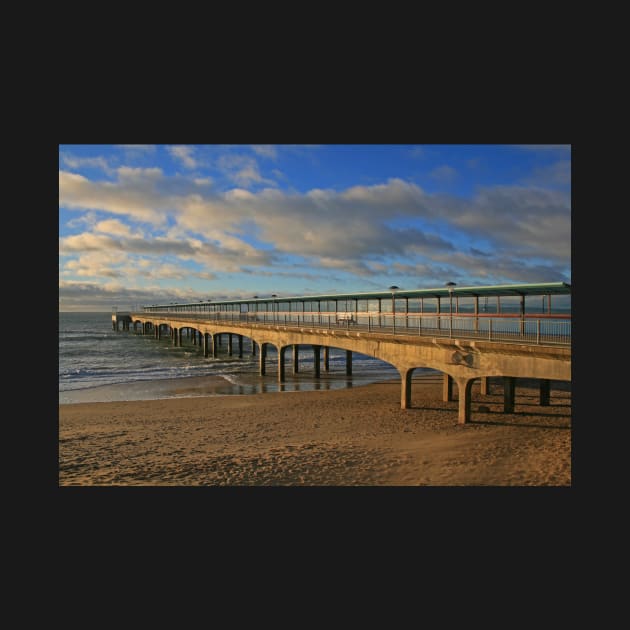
346	437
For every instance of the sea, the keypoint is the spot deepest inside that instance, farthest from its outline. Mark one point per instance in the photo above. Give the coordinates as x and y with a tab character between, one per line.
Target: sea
99	364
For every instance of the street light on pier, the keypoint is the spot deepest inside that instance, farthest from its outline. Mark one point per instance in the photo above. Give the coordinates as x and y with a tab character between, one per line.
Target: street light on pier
451	286
393	289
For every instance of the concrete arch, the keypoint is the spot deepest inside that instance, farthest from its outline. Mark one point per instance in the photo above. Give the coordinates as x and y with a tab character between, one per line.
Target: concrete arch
462	360
464	388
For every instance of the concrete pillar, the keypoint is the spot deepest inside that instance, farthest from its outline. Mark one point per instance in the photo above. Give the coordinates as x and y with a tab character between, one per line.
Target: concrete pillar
281	352
296	358
464	389
215	345
179	336
205	345
485	385
405	388
229	344
326	359
158	331
316	359
240	346
545	390
253	348
447	388
174	335
262	358
509	387
348	362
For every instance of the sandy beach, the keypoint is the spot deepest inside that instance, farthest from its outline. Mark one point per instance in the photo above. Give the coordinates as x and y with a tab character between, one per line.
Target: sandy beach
358	436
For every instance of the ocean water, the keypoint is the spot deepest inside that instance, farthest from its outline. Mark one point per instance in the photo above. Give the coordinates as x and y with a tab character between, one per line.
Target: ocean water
99	364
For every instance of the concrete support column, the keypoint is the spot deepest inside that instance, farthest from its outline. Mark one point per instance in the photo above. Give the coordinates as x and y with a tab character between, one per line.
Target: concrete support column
296	358
253	348
240	346
545	390
485	385
316	359
158	331
326	359
215	345
348	362
229	344
464	390
179	336
263	358
405	388
281	352
205	345
509	387
174	335
447	388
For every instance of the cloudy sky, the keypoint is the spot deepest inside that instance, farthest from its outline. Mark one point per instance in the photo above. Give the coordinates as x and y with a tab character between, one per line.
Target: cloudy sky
144	224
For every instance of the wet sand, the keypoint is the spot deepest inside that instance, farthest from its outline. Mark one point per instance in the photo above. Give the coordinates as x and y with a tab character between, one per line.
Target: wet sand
344	437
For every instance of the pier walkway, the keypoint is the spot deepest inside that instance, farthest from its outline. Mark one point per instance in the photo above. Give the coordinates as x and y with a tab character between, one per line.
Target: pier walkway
482	332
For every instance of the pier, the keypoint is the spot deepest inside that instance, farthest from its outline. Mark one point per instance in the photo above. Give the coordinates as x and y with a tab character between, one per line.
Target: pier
467	333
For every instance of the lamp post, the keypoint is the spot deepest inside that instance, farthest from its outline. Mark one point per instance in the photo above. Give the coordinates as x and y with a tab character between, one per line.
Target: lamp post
393	289
450	286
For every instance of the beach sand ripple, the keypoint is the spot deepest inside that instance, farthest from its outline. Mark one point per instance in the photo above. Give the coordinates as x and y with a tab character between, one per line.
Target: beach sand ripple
348	437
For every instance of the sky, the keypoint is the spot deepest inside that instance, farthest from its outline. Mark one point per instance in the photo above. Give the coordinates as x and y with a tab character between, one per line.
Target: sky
150	224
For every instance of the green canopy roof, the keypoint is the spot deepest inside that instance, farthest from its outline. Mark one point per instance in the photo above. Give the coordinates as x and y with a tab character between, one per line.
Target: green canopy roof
545	288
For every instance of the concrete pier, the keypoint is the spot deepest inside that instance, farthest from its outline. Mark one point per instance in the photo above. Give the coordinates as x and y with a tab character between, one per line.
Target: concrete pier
316	359
461	360
545	391
447	388
484	387
509	390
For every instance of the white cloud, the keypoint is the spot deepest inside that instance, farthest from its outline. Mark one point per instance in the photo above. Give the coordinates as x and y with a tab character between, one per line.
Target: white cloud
113	226
353	230
184	154
265	150
243	170
444	173
134	195
83	162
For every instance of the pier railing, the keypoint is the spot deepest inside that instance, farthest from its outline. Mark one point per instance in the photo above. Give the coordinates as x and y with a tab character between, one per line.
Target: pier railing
548	329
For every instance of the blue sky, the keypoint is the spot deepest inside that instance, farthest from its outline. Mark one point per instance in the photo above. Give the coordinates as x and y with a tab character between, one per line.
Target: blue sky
144	224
